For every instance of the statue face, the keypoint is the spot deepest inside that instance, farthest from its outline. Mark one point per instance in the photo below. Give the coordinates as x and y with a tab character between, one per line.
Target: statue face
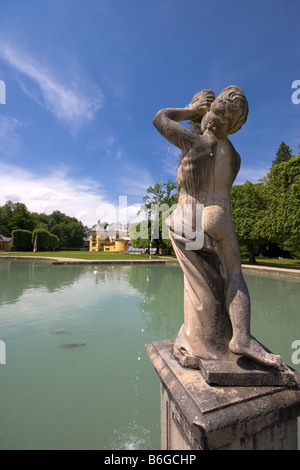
218	125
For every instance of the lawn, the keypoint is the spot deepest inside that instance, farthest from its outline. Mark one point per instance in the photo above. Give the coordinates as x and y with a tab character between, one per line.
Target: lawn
89	255
99	256
276	262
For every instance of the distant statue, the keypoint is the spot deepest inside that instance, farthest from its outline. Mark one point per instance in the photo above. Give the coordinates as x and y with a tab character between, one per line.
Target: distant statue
216	298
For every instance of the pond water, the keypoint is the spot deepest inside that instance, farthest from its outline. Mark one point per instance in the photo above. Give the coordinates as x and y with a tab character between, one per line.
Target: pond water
105	394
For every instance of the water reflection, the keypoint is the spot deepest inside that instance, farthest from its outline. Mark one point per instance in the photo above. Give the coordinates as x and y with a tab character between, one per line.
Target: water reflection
19	276
162	295
275	318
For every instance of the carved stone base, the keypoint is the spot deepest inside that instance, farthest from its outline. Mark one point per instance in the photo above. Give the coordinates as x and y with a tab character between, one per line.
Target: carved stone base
199	416
237	371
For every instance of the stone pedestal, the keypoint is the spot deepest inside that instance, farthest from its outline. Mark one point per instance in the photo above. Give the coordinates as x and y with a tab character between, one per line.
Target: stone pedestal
199	416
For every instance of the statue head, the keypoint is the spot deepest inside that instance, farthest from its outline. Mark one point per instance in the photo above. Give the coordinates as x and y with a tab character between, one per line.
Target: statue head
227	113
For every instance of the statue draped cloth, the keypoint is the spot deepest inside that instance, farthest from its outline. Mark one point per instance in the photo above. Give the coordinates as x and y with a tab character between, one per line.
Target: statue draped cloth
206	331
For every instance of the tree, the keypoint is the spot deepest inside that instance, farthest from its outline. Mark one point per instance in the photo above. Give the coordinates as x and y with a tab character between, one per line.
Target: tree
268	213
196	127
157	195
280	221
69	230
283	154
15	216
156	205
247	204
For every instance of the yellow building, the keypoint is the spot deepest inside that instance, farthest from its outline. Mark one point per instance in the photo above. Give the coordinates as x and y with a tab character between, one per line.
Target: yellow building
5	243
109	238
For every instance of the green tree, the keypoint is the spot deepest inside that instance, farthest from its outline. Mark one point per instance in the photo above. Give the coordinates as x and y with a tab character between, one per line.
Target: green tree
248	205
160	194
15	216
280	222
283	154
69	230
156	205
40	220
195	127
269	212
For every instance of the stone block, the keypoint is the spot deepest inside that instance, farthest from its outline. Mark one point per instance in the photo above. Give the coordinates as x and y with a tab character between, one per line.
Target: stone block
198	416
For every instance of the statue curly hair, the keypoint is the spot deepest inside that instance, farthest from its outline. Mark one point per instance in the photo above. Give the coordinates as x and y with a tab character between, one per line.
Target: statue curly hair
232	105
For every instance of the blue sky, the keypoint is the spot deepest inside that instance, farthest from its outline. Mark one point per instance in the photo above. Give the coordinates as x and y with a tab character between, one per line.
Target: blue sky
84	79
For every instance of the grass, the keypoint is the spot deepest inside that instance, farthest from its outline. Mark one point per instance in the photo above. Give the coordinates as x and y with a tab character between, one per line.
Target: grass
276	262
98	256
88	255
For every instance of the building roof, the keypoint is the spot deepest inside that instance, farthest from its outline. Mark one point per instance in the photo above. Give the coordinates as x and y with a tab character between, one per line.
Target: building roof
100	227
4	239
116	231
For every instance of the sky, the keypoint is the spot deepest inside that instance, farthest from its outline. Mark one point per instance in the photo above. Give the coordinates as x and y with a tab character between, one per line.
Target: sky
82	80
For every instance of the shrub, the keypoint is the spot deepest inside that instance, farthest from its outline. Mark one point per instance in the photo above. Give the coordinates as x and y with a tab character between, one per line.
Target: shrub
22	240
44	240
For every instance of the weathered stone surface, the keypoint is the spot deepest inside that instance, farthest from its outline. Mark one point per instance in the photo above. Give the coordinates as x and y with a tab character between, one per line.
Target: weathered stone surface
196	415
236	371
216	298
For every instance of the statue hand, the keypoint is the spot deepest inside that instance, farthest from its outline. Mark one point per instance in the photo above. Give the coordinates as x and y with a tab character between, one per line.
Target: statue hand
201	103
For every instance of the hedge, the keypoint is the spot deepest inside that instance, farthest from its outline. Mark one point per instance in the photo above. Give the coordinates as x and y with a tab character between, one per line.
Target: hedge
22	239
44	240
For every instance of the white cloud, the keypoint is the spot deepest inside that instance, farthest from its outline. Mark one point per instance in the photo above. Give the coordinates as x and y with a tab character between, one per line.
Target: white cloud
81	199
73	104
56	191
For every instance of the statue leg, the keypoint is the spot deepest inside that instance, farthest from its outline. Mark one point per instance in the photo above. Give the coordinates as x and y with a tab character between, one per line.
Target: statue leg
206	331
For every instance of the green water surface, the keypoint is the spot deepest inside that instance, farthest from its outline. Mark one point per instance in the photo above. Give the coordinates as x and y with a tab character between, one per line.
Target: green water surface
104	395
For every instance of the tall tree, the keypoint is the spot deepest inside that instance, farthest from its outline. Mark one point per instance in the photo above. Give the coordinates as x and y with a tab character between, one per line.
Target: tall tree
160	194
151	230
283	154
13	216
69	230
247	204
280	222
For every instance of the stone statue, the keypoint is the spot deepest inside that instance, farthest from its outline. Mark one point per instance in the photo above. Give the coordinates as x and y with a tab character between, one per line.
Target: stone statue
216	299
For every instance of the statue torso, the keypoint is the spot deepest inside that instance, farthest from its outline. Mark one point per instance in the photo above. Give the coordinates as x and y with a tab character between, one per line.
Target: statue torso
207	170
